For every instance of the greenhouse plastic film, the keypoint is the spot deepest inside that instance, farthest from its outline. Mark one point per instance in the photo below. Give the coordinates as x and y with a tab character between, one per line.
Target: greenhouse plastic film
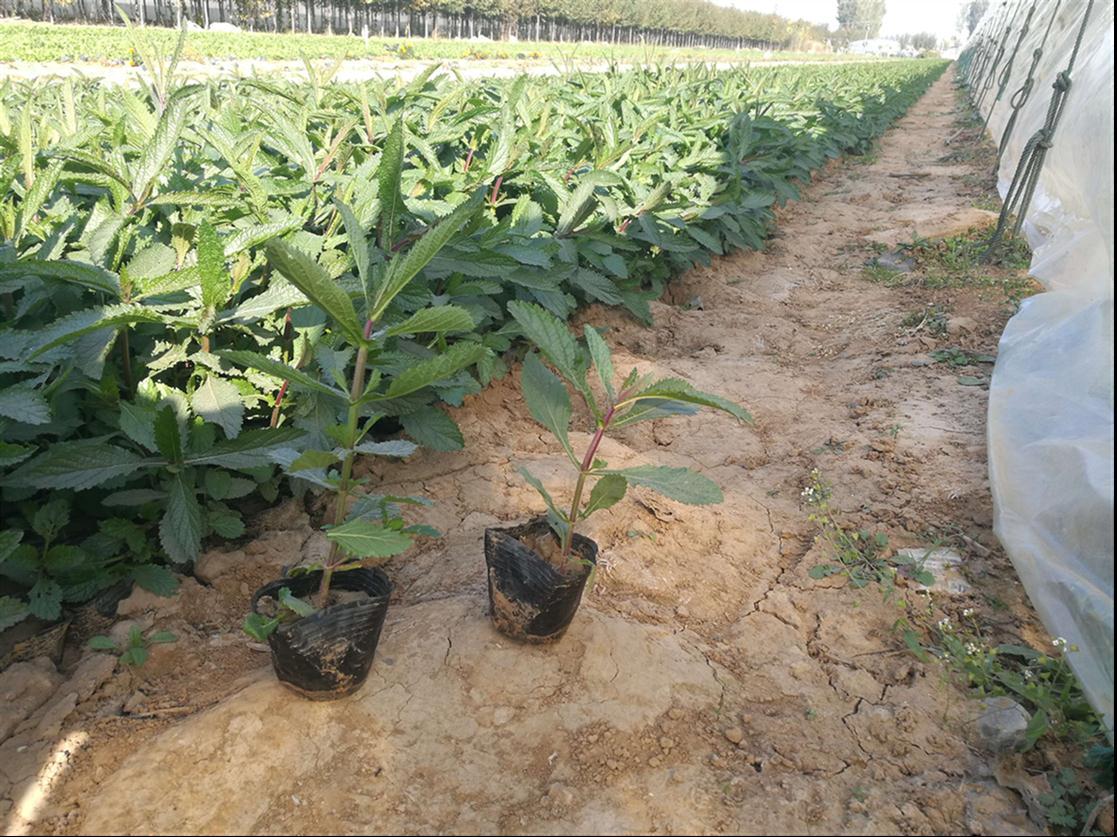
1051	397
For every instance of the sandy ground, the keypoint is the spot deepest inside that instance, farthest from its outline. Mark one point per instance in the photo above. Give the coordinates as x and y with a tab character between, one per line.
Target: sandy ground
708	684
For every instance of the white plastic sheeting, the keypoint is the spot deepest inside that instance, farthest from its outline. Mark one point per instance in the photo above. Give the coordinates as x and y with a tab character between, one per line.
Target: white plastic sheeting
1051	397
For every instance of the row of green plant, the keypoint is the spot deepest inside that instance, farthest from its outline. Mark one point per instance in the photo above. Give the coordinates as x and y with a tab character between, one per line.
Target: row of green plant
207	287
24	41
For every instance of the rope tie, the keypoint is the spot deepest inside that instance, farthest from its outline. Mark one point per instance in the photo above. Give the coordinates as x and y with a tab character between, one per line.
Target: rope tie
1020	97
1006	73
988	81
1026	178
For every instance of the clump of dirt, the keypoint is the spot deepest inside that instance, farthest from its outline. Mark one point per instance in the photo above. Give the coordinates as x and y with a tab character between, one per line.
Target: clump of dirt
709	683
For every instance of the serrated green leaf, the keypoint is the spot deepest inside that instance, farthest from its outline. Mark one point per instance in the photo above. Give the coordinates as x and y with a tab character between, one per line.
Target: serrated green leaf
249	450
607	492
405	266
259	627
443	319
679	484
602	359
438	368
101	643
9	540
388	180
218	401
168	434
227	524
155	579
547	400
305	274
180	530
215	280
369	540
23	404
85	275
676	389
294	603
433	429
157	152
313	460
550	335
133	497
69	328
278	369
45	599
77	465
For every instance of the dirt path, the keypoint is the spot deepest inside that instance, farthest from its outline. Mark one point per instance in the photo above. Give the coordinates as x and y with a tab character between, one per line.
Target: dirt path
708	685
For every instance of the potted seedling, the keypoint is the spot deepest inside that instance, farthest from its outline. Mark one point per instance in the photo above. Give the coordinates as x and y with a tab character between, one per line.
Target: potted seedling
537	570
323	620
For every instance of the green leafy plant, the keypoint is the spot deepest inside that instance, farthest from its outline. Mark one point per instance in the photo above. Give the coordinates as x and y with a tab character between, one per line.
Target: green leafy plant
136	650
369	532
861	556
288	607
1042	681
56	573
637	398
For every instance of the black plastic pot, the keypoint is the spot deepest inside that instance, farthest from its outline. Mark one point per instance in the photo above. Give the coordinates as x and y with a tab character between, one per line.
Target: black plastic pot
328	654
529	598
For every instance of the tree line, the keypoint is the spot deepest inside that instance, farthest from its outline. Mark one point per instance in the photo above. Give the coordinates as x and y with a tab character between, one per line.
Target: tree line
659	22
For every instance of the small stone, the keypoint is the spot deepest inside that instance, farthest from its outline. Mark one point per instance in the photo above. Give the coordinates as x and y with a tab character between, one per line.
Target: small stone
921	361
666	743
746	718
90	675
613	764
503	715
734	735
50	724
258	646
560	794
655	761
675	713
211	565
592	738
682	612
1002	724
135	703
24	687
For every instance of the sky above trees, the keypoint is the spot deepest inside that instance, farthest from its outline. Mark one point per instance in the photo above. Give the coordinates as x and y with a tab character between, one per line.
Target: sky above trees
901	16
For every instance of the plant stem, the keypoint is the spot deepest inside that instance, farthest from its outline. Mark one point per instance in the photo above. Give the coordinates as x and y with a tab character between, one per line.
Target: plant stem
126	359
579	487
341	504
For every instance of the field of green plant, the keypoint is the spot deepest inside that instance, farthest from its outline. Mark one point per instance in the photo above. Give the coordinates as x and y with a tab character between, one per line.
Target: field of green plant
46	42
212	294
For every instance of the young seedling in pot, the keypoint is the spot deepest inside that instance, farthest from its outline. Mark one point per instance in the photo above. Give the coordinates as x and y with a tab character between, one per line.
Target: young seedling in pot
634	399
365	530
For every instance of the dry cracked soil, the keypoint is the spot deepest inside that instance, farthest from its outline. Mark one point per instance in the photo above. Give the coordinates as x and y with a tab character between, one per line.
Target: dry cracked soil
708	683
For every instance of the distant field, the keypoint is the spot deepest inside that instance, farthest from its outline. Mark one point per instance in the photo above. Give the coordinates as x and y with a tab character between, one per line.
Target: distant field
45	42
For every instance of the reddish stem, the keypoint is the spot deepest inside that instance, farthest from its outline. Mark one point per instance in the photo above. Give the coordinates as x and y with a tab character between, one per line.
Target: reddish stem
496	189
468	160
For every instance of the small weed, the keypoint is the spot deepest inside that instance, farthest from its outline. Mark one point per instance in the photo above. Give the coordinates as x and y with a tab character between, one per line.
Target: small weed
1042	681
136	650
882	275
960	358
894	430
831	445
880	373
633	534
933	319
961	261
862	556
990	203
